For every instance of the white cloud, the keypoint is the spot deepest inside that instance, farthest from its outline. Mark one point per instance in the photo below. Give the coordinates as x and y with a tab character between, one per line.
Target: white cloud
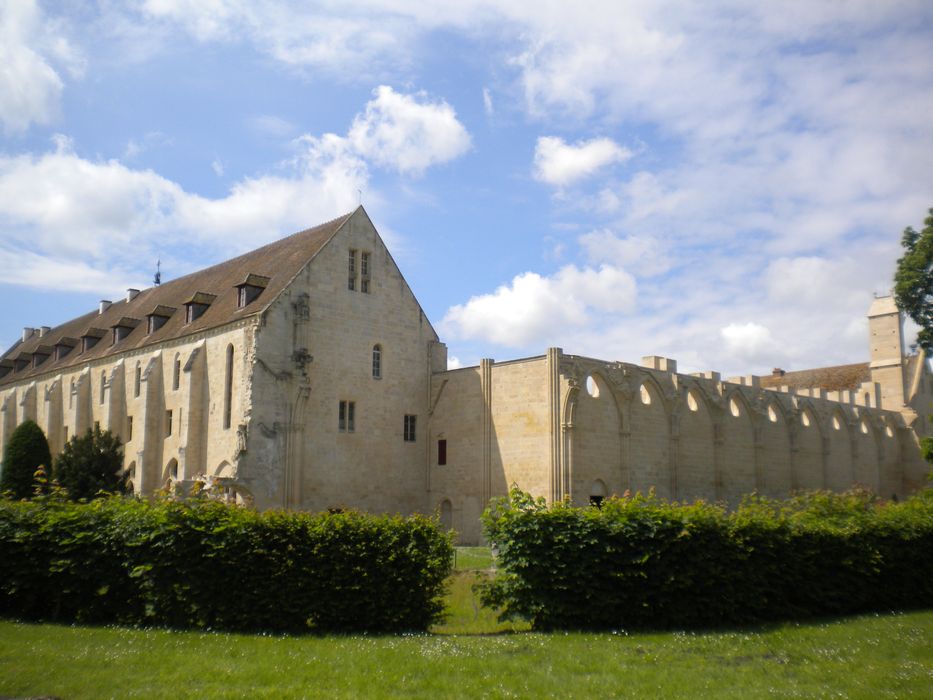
408	133
644	255
218	167
746	339
487	102
559	163
30	88
58	206
534	308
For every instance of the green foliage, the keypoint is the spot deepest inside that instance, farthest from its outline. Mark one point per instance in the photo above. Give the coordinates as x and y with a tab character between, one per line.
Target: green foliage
644	563
25	452
913	280
91	465
204	564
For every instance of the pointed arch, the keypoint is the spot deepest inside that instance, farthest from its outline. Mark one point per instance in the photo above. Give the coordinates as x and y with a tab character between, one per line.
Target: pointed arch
596	440
695	476
809	467
839	462
774	459
650	439
741	470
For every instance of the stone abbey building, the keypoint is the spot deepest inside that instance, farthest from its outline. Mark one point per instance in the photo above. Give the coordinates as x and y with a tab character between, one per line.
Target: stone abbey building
305	374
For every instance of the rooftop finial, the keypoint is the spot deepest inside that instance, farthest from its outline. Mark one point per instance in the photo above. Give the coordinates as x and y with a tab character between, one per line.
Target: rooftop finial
157	280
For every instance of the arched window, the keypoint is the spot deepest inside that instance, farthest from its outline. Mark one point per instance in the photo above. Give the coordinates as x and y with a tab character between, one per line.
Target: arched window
139	378
377	362
176	374
447	514
228	388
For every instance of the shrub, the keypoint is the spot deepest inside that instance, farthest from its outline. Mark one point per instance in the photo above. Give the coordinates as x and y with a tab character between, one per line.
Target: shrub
25	452
204	564
644	563
91	464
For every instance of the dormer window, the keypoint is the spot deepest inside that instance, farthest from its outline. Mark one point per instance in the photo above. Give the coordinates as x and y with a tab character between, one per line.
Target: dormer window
63	347
90	338
42	353
250	289
6	366
22	361
122	328
158	318
197	305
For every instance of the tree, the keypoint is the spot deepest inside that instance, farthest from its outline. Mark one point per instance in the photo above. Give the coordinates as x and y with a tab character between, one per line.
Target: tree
913	281
26	450
90	464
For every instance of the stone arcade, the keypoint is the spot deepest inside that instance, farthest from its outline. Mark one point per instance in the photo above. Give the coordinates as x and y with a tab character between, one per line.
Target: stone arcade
304	374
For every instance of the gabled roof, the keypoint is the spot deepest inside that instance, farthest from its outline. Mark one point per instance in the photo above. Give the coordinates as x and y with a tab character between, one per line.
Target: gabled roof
278	262
836	378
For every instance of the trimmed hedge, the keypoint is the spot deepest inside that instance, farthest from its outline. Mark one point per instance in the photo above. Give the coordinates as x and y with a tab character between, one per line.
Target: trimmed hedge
641	562
203	564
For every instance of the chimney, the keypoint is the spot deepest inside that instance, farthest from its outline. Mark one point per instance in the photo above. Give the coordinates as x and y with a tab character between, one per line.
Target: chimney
777	372
44	330
131	294
104	305
27	333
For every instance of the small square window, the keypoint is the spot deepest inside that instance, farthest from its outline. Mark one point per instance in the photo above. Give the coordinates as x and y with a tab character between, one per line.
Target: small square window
409	432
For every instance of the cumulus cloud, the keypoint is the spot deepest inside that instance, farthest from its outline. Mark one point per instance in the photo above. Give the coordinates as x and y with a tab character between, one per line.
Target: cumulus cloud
59	206
644	254
559	163
746	339
30	87
407	133
533	308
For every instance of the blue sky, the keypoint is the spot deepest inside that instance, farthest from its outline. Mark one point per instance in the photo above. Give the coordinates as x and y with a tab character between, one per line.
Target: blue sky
723	183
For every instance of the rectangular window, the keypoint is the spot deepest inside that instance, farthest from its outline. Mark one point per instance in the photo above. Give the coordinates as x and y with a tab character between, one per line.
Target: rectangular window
410	428
346	417
129	428
168	423
351	271
176	376
441	452
364	273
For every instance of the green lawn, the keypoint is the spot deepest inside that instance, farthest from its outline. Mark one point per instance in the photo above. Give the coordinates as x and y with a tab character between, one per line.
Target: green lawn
866	657
472	655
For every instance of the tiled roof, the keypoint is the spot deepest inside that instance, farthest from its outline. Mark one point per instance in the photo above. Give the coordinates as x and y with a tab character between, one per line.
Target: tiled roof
838	378
279	262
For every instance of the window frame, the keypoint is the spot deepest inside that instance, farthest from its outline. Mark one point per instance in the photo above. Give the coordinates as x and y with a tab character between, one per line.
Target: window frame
410	428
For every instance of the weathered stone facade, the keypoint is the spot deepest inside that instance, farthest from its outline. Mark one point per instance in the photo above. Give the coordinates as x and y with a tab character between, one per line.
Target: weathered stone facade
306	375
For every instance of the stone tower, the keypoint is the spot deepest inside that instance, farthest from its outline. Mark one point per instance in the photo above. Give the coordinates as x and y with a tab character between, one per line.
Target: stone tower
886	338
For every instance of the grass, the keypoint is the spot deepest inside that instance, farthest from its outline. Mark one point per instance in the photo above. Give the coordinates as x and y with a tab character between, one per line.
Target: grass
472	655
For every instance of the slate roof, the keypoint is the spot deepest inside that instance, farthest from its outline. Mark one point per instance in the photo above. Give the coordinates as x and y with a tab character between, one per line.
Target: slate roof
838	378
279	261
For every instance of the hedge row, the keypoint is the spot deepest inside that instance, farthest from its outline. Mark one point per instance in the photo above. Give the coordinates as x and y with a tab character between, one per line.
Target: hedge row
644	563
203	564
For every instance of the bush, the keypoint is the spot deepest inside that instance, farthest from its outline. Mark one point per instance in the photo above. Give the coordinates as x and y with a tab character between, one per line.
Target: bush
643	563
25	452
91	464
204	564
